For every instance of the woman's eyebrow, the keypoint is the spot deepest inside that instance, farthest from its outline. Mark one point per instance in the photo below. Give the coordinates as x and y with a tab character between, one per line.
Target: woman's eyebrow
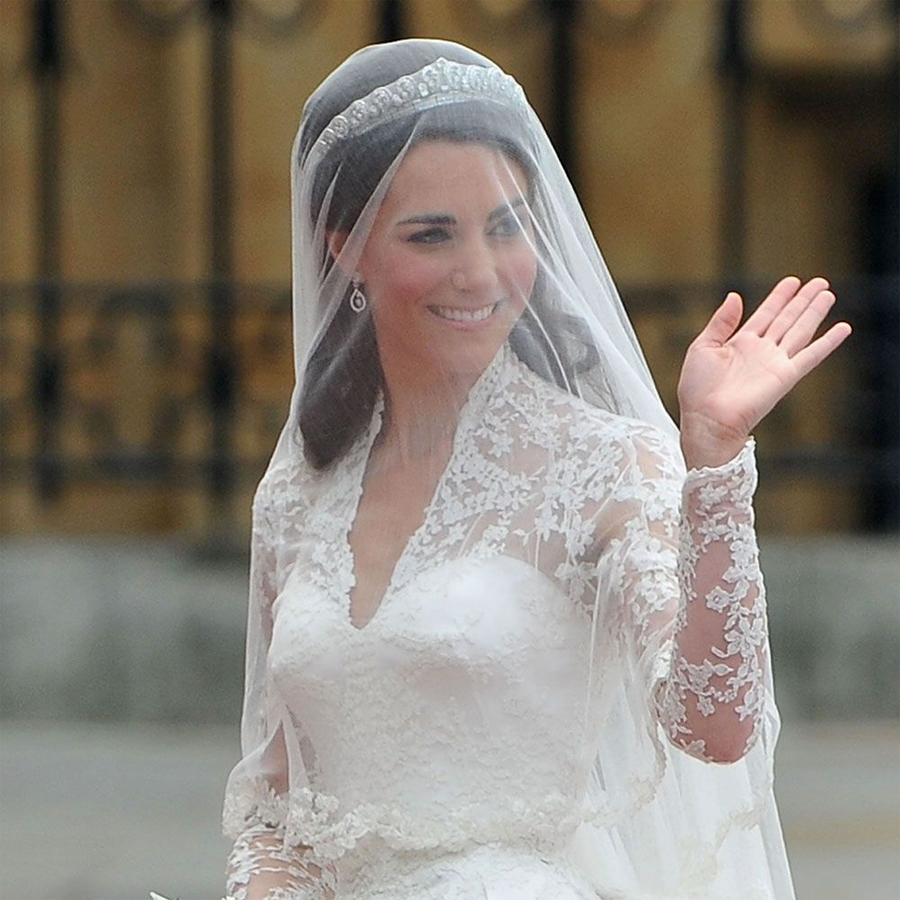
429	219
444	219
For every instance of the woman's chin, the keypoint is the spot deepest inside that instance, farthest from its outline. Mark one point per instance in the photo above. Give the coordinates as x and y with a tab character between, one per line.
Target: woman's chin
471	353
458	349
451	361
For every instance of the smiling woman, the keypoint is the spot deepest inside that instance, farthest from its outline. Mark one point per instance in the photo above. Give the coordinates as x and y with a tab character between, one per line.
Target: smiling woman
448	269
497	632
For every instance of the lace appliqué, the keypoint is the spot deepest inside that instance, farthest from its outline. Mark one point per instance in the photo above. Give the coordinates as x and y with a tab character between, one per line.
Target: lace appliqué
286	873
718	567
313	820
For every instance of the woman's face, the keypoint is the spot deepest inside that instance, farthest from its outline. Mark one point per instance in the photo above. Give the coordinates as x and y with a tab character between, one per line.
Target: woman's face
450	262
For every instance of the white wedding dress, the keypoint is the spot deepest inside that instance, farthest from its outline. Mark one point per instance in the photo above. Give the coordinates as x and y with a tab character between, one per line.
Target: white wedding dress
449	748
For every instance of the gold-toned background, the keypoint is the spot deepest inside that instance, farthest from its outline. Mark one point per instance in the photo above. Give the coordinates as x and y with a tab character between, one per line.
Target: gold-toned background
648	137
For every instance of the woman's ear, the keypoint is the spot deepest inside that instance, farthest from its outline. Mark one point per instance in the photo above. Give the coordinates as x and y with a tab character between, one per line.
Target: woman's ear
335	241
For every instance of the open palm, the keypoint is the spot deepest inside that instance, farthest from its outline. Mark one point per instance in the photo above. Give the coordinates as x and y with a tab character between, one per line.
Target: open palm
732	376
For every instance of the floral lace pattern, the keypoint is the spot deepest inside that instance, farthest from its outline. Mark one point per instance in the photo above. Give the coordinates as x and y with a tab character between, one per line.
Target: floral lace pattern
718	513
278	871
563	547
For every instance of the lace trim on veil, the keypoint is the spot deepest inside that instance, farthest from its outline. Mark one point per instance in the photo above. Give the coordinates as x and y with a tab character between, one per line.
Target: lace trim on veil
312	819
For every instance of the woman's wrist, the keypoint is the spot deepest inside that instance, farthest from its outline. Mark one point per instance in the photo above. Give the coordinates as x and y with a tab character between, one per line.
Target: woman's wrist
708	444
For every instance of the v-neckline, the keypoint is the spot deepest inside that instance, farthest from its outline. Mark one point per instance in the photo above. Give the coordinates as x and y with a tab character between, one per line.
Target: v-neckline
359	478
479	393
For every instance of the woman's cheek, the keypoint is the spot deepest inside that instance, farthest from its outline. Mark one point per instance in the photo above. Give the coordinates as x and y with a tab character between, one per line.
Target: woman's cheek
415	278
403	268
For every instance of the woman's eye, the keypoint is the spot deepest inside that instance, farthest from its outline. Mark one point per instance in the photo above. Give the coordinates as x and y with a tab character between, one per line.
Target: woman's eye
508	226
429	236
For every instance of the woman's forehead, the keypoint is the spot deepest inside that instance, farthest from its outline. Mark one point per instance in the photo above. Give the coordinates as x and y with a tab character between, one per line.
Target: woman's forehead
452	171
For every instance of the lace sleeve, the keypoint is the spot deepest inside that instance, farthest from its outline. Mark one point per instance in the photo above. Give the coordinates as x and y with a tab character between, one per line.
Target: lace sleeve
686	553
711	701
262	865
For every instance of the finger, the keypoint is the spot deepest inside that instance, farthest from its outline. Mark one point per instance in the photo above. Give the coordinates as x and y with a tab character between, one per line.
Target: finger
808	358
792	312
778	298
804	329
723	322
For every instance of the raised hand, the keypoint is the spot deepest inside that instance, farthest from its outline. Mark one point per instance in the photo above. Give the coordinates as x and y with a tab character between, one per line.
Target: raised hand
732	376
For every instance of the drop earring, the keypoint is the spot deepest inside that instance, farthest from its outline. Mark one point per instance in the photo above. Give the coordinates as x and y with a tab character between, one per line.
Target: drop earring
357	297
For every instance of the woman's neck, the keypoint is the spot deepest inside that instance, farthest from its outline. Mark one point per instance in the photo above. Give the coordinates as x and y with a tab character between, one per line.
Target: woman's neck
421	414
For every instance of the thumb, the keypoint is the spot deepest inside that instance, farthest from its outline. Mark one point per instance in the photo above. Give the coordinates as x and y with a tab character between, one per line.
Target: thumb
723	323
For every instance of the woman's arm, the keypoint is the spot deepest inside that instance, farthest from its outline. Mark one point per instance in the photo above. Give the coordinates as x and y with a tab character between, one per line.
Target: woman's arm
692	594
713	674
712	701
262	867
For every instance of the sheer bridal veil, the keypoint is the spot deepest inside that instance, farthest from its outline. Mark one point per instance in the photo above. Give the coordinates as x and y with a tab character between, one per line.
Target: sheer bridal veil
655	822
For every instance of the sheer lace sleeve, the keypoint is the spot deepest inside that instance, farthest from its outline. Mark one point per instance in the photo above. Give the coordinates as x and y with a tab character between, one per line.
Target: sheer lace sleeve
701	635
681	667
262	865
711	702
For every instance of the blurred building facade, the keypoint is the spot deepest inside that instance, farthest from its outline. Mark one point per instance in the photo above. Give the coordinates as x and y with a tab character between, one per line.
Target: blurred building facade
145	231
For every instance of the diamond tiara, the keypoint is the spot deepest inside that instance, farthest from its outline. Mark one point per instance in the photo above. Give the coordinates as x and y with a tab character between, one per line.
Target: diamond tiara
438	83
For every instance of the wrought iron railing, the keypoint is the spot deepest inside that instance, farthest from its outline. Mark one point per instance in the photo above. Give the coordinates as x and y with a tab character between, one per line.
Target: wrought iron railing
187	385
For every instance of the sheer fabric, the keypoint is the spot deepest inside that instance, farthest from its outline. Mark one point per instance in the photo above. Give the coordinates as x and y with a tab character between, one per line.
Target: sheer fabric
574	635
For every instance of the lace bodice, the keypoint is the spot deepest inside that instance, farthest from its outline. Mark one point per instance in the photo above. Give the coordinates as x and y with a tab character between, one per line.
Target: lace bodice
564	561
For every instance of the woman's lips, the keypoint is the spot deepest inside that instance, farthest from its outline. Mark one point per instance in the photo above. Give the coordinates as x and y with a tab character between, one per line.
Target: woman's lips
465	316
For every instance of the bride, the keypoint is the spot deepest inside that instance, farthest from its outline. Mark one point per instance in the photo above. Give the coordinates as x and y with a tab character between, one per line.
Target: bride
507	632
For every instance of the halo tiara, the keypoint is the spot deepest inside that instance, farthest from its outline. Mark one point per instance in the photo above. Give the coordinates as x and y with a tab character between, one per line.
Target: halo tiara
440	82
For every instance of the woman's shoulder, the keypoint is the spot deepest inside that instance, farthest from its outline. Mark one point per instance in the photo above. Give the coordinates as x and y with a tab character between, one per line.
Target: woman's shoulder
581	428
287	483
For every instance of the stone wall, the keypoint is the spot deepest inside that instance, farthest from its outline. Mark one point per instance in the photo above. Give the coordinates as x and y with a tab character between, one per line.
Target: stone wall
132	631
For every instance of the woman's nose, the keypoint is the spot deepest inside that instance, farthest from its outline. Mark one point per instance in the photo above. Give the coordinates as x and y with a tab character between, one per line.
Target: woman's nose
476	270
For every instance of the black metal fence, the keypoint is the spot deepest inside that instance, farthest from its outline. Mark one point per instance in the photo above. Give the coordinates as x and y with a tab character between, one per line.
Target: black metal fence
145	383
188	385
